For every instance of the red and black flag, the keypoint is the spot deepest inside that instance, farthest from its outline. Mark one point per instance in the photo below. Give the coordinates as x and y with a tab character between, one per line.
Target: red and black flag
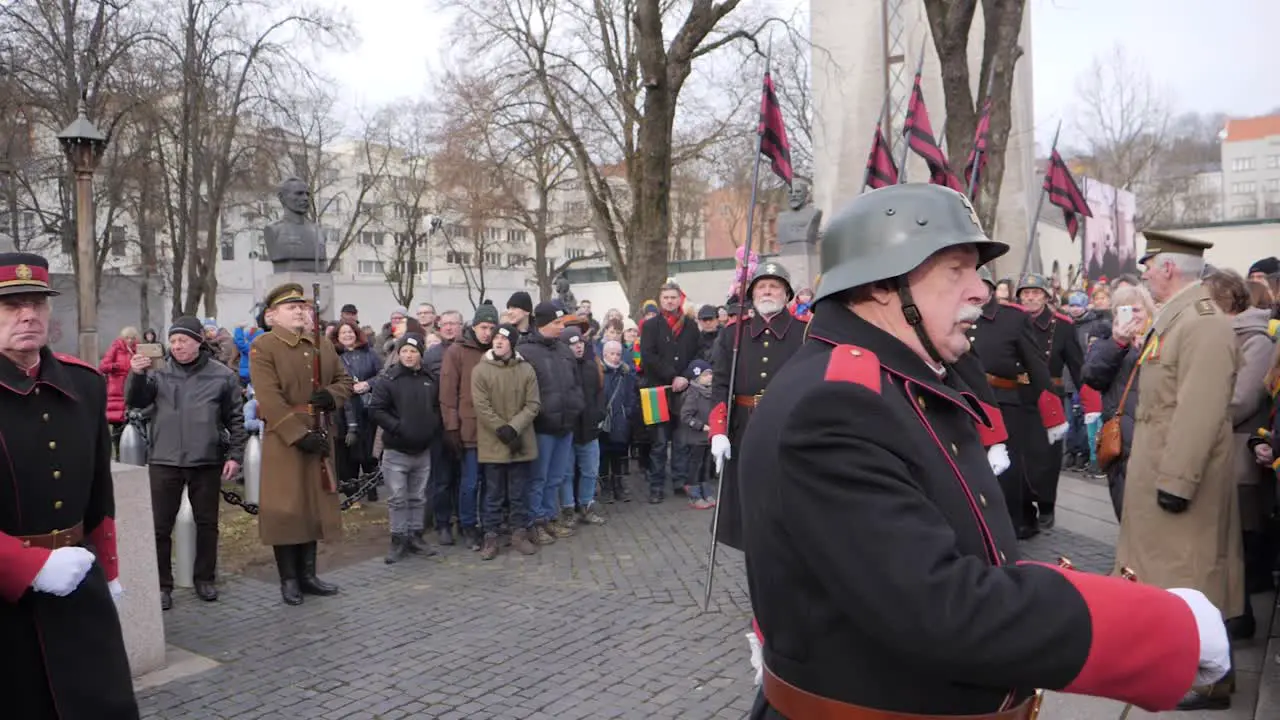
773	133
977	161
1064	193
881	170
919	134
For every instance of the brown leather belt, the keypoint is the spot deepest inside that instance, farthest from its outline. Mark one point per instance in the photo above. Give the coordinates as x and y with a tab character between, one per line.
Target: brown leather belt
1000	383
56	539
796	704
747	401
1057	382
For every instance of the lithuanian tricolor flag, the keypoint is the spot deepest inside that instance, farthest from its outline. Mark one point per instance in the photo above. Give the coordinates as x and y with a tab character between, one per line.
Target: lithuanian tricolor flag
653	403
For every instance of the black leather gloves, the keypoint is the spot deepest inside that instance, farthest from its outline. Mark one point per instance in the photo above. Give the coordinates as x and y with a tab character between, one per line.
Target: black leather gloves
315	443
1171	503
322	400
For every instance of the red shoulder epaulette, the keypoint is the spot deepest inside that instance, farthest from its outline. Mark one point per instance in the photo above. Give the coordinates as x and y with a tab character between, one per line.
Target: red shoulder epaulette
1015	306
852	364
73	360
1063	317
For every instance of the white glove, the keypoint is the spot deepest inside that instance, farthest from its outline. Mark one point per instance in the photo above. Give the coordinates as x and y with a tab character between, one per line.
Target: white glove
720	450
1215	650
63	571
1057	433
116	590
1090	418
998	458
757	656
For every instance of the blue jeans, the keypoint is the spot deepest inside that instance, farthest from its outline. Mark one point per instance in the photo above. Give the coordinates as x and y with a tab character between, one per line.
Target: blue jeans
506	483
444	485
554	463
664	434
587	458
469	490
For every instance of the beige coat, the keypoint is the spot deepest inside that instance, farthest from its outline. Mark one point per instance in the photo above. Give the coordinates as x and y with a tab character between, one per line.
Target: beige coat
294	507
1183	445
505	392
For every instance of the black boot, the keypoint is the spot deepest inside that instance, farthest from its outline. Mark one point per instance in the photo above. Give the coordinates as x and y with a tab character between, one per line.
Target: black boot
620	489
415	544
605	495
399	546
287	565
307	580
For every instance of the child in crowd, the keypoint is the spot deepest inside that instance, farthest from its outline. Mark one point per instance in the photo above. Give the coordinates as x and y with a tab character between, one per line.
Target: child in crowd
695	414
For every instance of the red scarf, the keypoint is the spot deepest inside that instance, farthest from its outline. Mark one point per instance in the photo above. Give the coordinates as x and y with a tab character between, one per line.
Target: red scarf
675	320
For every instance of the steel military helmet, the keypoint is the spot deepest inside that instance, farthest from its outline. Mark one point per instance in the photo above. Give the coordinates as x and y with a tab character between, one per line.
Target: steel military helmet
1034	281
887	233
773	270
987	276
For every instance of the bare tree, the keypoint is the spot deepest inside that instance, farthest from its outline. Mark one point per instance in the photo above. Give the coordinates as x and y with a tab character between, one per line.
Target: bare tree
950	22
610	75
404	200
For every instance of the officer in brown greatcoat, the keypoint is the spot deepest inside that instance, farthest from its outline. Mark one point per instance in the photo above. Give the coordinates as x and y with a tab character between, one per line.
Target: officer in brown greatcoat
62	655
299	497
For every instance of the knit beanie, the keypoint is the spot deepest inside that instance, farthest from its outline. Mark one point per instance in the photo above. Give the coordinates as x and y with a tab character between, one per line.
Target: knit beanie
189	326
521	300
485	314
413	340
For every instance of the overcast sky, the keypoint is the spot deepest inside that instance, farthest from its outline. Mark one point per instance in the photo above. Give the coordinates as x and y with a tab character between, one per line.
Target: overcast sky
1209	55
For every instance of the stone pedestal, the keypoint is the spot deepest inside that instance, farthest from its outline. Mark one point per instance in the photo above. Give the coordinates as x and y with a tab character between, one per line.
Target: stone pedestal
139	607
801	260
328	310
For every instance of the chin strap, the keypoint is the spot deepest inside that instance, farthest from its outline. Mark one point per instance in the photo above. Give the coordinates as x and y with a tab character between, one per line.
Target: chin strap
914	319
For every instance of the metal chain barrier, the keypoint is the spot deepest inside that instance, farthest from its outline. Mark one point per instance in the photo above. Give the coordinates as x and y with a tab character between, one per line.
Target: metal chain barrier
355	490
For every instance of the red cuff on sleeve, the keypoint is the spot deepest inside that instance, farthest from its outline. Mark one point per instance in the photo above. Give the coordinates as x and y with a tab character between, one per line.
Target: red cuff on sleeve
995	434
756	627
1145	645
717	420
103	538
18	566
1090	400
1051	413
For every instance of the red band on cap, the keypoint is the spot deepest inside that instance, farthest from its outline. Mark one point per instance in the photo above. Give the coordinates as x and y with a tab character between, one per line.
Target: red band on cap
22	274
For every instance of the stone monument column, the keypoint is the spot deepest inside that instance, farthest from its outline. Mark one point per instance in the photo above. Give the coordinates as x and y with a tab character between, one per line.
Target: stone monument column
296	247
798	237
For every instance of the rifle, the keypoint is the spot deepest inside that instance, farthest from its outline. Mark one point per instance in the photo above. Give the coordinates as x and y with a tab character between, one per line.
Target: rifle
318	420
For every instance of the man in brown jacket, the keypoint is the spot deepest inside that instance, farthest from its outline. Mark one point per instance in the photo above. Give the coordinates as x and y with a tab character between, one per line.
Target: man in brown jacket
504	389
1181	522
299	502
459	413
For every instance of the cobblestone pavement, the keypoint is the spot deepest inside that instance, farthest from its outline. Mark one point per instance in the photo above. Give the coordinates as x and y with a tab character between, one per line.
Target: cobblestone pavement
602	625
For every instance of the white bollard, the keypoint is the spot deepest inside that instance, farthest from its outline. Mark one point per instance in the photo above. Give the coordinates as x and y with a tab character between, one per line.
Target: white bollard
184	545
252	469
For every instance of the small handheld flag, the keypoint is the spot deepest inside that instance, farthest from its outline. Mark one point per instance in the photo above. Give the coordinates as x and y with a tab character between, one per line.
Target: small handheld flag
653	405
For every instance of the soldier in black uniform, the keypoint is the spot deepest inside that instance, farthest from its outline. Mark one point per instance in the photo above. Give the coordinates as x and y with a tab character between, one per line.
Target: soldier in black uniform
882	565
60	640
768	339
1056	336
1019	378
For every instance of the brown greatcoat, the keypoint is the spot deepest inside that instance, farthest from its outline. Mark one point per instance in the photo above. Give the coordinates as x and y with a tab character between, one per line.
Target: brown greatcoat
294	507
1182	444
456	406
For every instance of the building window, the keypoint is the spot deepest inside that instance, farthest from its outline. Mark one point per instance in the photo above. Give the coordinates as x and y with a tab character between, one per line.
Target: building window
453	257
118	241
1272	185
1242	164
492	259
368	237
1273	210
574	253
372	267
515	260
517	236
1248	187
1244	212
1273	162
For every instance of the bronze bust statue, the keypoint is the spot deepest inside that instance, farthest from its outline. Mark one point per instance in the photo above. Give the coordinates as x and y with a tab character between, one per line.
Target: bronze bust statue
294	243
564	294
800	223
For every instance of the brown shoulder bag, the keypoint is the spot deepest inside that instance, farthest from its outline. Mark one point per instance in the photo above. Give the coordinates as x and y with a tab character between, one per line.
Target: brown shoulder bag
1109	443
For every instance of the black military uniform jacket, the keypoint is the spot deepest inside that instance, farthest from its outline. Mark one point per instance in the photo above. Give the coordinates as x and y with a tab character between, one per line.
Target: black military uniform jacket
55	474
1059	344
1005	341
766	345
881	558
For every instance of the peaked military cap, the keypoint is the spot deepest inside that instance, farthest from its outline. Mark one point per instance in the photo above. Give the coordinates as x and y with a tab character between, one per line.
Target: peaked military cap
1159	241
286	293
23	273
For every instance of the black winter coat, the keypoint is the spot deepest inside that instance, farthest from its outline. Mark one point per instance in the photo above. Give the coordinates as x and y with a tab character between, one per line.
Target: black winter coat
592	377
621	401
663	355
405	405
559	384
1106	369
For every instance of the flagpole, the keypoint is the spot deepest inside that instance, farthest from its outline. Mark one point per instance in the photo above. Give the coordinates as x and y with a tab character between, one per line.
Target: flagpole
1035	219
978	151
902	155
866	174
737	343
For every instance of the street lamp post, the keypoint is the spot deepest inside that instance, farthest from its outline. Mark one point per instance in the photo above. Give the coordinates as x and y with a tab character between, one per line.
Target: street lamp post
84	144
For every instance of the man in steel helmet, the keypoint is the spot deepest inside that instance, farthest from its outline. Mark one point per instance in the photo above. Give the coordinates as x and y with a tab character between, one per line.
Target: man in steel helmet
882	565
769	338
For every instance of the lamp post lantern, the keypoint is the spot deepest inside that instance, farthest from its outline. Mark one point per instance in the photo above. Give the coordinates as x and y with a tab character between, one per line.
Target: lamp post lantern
84	145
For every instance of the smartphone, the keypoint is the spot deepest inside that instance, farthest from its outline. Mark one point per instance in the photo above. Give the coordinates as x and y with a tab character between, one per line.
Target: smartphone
1124	314
151	350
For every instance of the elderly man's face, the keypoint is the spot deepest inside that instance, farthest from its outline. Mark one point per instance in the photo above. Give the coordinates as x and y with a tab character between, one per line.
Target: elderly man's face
949	293
24	323
769	295
1034	299
450	326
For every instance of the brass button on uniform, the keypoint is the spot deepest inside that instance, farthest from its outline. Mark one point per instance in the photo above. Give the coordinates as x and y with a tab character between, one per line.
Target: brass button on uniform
45	417
1002	558
954	450
764	359
920	401
57	474
766	343
57	505
982	500
36	391
764	374
53	445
